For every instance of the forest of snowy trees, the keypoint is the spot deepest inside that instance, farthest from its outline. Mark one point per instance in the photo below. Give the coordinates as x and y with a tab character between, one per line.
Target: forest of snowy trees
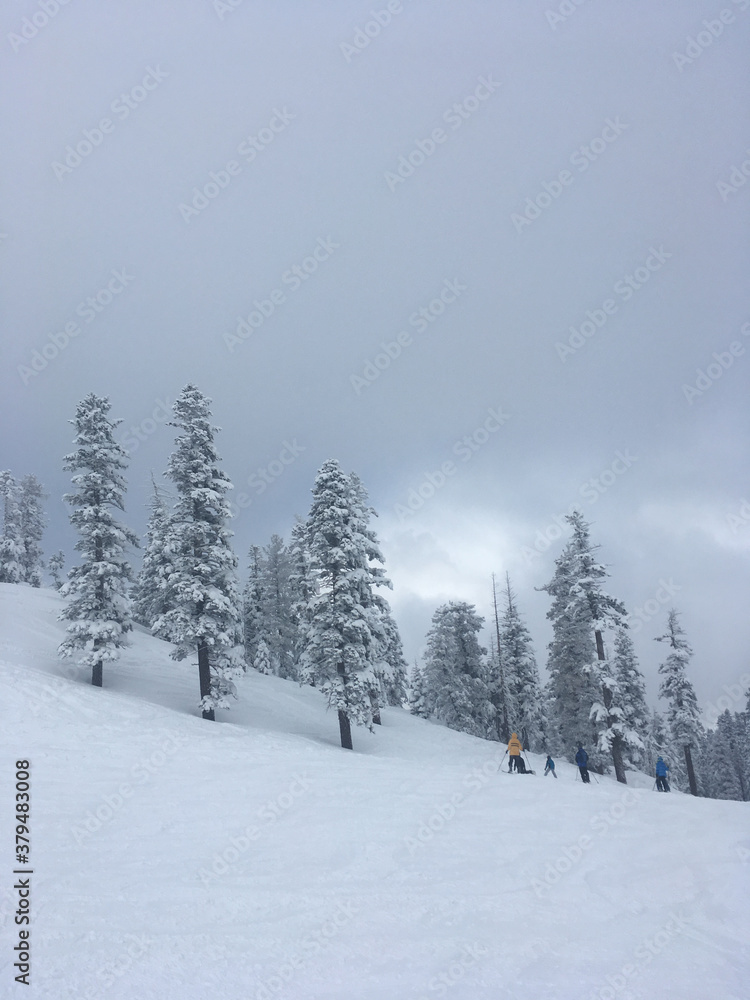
310	609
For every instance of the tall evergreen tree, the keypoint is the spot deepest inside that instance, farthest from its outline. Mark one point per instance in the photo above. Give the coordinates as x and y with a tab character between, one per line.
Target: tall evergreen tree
252	603
343	634
205	612
499	695
455	674
497	679
683	715
524	686
383	627
392	668
417	694
609	716
31	523
152	594
580	611
11	543
726	767
99	607
632	697
277	601
302	587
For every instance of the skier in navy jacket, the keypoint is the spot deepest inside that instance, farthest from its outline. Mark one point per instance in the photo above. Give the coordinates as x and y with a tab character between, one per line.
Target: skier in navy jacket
662	785
582	759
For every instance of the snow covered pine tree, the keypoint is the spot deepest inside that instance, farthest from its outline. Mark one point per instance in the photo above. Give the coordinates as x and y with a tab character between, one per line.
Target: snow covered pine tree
99	611
205	612
584	689
683	715
343	636
522	675
11	545
631	692
31	517
455	674
151	594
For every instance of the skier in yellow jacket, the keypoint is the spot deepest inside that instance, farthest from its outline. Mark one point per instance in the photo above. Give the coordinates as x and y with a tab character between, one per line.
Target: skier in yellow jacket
515	750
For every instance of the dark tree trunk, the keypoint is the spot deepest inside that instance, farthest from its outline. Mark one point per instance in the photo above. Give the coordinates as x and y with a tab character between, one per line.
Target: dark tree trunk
204	676
691	773
617	760
375	708
617	741
346	730
98	668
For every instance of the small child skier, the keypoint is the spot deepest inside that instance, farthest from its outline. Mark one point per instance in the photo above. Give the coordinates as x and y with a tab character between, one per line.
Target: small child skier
549	765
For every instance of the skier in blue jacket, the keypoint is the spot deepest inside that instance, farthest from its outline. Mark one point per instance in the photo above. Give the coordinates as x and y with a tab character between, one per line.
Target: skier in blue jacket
582	759
549	765
662	785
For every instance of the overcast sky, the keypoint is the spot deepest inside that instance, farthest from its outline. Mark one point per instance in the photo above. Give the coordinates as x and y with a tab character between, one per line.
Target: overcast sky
476	251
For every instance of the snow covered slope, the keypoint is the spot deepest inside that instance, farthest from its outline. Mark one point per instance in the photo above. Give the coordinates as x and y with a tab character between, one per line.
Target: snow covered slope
253	858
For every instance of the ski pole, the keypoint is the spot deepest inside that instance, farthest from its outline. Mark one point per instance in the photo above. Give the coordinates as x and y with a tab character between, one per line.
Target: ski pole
501	760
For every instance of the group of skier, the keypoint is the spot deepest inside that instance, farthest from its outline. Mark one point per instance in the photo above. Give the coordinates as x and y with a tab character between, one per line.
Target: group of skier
516	763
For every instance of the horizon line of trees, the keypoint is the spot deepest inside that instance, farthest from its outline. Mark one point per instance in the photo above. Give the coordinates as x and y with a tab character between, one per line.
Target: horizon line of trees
310	611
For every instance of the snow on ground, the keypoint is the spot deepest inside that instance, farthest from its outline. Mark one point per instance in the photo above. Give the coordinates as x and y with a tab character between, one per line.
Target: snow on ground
253	858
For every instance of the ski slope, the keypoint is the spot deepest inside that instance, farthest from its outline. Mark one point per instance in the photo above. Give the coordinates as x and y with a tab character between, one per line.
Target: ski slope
183	860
